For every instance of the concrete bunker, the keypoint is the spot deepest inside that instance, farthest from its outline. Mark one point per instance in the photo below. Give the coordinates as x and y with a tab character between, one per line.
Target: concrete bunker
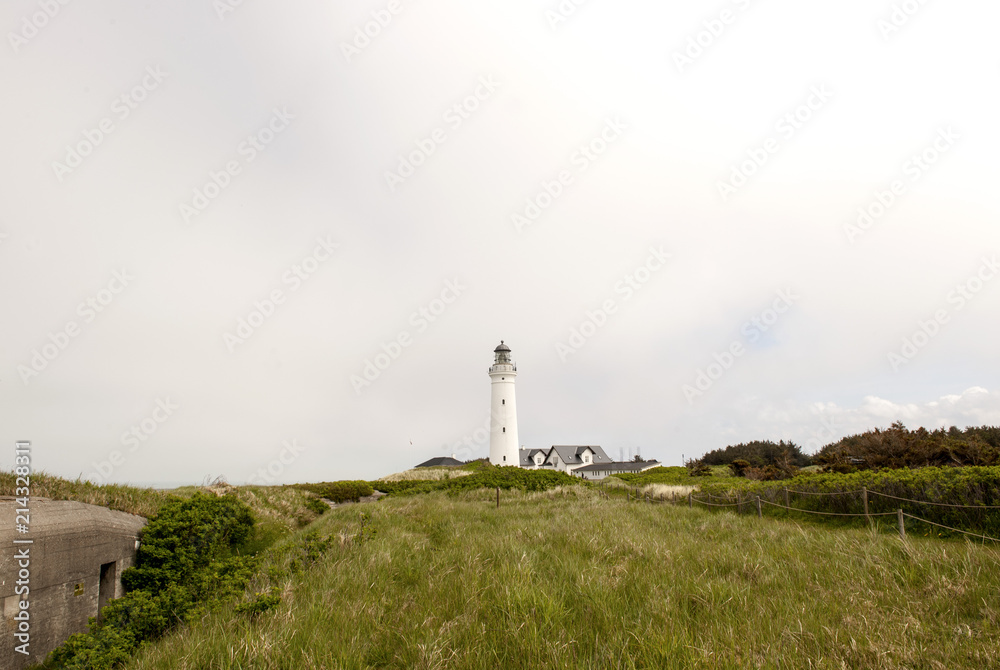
76	558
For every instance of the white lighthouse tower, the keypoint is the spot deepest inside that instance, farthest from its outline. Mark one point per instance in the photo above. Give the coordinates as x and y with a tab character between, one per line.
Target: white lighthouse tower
504	447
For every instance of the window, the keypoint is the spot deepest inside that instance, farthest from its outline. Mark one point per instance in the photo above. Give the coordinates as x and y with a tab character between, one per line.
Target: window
505	458
505	429
503	402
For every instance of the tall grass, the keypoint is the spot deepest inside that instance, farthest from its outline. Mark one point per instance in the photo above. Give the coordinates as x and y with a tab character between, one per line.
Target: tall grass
564	578
131	499
426	474
278	509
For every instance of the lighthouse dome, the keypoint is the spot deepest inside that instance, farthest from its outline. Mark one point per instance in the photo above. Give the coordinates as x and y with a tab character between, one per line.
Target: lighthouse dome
501	347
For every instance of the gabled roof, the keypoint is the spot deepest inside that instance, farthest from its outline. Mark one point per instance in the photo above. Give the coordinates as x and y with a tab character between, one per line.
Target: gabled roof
571	455
527	456
627	466
438	461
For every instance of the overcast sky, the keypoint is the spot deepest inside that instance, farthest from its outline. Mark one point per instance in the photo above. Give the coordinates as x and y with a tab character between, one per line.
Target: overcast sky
279	241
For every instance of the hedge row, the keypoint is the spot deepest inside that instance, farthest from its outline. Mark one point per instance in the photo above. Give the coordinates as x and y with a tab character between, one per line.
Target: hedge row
970	486
342	491
488	476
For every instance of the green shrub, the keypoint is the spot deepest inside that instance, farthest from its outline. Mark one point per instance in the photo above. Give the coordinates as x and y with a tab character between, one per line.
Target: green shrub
189	557
487	476
759	453
317	505
965	486
262	603
343	491
897	447
739	467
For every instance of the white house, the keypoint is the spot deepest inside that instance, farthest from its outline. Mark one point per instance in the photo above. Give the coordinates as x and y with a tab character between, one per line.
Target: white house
562	458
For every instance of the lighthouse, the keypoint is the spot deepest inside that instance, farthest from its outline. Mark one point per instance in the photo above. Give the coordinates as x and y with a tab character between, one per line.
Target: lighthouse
503	411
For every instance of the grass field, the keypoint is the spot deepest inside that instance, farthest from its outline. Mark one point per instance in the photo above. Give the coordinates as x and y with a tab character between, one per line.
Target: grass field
568	579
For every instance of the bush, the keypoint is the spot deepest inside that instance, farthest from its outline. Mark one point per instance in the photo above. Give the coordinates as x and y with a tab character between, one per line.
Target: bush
699	468
739	467
189	556
262	603
343	491
969	486
487	476
317	505
759	453
897	447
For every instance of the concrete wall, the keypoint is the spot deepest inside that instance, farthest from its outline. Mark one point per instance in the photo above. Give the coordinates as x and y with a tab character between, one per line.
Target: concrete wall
71	541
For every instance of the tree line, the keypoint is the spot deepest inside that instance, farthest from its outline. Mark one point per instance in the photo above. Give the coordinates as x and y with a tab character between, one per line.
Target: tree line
890	448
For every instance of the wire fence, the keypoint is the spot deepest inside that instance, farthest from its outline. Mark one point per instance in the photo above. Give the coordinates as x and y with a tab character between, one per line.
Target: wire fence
862	496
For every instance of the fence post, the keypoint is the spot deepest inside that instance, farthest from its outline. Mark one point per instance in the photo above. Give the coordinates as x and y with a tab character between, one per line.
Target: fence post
864	497
498	497
661	498
689	499
902	529
786	497
760	515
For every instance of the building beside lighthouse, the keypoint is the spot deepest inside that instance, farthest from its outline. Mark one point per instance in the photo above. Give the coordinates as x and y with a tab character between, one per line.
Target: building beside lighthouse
588	461
503	408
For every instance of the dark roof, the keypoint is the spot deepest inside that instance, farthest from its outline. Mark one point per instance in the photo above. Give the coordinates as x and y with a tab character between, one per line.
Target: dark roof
440	460
570	455
528	456
626	466
502	347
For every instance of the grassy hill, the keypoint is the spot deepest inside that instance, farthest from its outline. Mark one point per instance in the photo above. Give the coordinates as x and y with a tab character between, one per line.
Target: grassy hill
278	509
568	579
